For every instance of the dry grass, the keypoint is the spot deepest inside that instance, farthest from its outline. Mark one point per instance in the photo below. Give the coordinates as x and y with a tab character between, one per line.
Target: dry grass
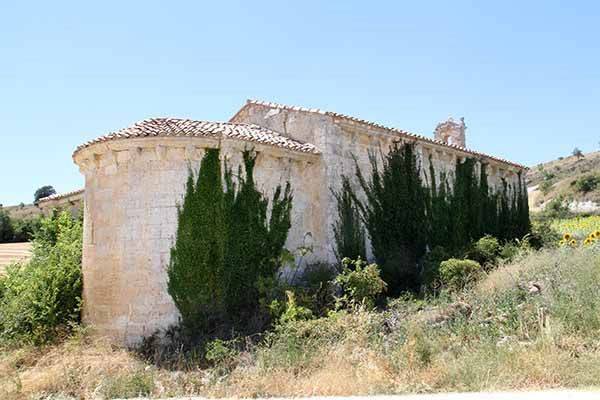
87	368
512	340
13	252
93	369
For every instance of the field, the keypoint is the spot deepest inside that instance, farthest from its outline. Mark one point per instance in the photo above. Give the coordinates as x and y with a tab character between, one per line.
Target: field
579	227
12	252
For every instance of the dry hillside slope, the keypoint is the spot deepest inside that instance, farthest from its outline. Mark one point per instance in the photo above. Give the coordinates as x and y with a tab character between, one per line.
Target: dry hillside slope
576	179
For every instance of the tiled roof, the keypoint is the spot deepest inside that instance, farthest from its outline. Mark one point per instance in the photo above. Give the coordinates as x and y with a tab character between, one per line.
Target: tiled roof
175	127
59	196
399	132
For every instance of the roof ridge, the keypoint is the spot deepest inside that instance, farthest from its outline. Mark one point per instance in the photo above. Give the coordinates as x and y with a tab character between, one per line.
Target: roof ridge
377	125
57	196
186	127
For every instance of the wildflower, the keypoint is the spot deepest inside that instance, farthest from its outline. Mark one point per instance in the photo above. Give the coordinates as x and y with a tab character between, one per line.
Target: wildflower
573	243
567	237
588	241
597	234
562	242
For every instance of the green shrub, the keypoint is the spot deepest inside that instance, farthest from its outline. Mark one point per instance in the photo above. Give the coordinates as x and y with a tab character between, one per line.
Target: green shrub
292	311
456	274
254	240
404	217
545	186
348	231
221	353
556	208
486	250
227	248
317	290
196	268
360	283
317	274
587	183
41	298
510	251
130	385
297	344
431	265
395	215
543	235
25	229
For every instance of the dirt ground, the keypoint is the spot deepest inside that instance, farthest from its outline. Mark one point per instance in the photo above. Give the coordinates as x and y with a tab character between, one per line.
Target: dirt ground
11	252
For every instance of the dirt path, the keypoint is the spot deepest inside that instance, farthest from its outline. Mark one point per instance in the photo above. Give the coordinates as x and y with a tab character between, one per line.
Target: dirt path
11	252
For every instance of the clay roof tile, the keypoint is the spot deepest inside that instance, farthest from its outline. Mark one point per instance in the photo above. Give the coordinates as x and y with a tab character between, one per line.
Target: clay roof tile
155	127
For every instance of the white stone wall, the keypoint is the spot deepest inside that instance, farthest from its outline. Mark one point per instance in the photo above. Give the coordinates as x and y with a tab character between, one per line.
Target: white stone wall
132	190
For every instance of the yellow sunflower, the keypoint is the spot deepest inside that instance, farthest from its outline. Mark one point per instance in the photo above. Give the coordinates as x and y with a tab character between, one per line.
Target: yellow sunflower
567	237
573	243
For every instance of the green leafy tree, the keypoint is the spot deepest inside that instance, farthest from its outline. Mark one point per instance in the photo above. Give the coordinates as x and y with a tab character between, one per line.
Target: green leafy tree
42	192
6	227
25	229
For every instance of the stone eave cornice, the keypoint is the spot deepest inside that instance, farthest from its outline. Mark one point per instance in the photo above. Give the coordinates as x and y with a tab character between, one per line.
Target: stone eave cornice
186	128
112	151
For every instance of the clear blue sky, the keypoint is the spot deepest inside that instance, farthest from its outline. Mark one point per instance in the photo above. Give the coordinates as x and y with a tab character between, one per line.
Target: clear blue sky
526	77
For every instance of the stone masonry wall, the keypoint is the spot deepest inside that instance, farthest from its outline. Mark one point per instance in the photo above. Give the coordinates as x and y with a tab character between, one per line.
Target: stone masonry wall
341	139
132	190
133	187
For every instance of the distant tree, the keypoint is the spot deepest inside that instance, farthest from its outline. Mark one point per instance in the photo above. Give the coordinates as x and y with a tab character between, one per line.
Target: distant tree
578	153
6	227
42	192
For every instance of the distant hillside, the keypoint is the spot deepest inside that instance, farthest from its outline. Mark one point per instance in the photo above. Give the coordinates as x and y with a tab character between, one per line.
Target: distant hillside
576	179
23	211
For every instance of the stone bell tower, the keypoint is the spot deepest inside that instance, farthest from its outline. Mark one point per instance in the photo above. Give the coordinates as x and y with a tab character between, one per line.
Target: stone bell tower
451	132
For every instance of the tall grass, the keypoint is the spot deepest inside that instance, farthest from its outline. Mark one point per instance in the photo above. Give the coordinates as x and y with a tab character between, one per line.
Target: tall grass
533	323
